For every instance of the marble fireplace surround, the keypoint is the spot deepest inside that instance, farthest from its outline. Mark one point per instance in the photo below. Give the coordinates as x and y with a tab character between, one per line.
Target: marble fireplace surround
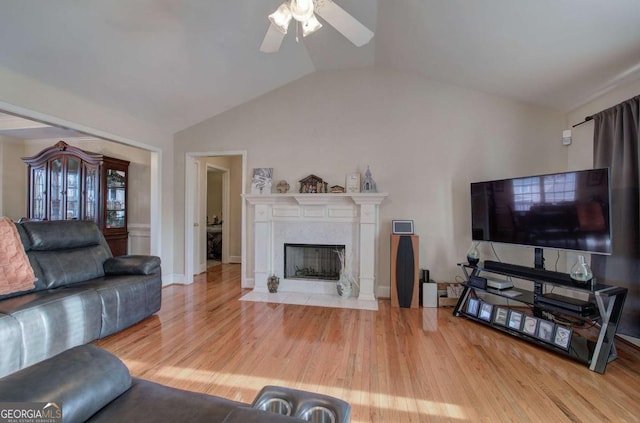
348	219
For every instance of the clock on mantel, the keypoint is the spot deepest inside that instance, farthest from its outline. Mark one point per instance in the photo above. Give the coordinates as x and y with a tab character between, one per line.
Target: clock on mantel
67	183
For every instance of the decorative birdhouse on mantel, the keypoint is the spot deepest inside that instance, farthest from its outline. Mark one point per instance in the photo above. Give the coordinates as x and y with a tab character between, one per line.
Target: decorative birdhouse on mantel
368	185
312	184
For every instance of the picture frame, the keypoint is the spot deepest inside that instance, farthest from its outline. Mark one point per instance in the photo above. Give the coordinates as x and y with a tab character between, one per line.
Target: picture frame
501	316
261	180
545	330
515	320
473	305
530	325
562	337
352	183
486	311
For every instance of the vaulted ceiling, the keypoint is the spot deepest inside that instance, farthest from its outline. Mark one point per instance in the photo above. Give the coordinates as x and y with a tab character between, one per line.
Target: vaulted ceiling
176	63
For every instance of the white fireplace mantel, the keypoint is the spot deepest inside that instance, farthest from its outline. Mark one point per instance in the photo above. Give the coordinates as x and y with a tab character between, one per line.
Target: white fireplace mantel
374	198
360	210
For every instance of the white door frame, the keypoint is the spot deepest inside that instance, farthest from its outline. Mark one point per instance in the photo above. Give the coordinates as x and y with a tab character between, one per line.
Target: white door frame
190	203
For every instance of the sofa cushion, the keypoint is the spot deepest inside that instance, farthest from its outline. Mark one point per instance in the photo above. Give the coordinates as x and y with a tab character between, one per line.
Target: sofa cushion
54	320
45	236
126	299
10	335
64	267
65	251
149	402
82	380
132	265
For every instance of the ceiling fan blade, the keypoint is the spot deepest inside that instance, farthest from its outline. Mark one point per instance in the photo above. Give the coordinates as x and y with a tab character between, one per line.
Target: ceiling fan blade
346	24
272	40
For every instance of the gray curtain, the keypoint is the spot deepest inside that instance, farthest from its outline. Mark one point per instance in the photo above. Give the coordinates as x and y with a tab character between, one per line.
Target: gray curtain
616	145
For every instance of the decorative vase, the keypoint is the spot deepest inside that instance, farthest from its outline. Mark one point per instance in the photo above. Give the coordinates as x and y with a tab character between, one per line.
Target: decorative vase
473	255
272	283
581	272
344	286
283	187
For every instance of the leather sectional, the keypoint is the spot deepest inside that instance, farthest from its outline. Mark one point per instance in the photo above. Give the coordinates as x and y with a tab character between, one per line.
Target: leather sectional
90	384
82	293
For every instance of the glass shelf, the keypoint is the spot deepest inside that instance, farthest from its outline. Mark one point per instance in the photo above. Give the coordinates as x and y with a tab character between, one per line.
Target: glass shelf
605	301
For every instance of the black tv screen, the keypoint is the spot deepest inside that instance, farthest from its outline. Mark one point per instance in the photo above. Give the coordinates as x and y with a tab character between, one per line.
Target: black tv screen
569	211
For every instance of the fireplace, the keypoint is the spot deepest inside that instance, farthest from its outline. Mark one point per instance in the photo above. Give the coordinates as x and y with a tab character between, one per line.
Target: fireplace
312	261
349	220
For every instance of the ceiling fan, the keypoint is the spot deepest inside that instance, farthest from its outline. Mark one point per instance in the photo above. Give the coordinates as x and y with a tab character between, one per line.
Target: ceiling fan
304	13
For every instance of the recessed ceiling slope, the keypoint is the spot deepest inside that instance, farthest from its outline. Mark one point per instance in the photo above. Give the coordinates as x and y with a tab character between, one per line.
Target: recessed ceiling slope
25	129
558	54
174	64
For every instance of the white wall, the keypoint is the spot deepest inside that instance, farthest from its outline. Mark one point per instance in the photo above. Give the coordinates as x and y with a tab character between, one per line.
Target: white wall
13	179
30	98
425	142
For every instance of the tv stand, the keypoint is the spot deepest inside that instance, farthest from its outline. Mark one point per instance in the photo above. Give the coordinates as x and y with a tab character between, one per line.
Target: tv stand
604	306
538	261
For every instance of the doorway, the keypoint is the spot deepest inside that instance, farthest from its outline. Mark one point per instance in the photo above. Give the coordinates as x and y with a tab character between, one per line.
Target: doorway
217	208
226	217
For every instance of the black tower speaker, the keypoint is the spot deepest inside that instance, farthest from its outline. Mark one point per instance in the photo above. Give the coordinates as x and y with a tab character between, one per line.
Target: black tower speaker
404	271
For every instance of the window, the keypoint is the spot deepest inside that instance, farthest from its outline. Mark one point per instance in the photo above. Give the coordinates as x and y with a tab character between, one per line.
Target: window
546	189
526	193
559	188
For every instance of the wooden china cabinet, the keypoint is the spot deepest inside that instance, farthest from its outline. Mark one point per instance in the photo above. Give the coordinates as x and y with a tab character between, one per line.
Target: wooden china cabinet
65	182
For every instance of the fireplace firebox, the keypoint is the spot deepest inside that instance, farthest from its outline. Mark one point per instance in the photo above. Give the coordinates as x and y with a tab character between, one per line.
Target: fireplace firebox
312	261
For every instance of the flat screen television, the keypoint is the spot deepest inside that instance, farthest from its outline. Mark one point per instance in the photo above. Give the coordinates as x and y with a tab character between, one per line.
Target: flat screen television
567	211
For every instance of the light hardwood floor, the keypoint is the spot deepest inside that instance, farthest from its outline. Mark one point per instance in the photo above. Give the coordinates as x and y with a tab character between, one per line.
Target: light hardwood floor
393	365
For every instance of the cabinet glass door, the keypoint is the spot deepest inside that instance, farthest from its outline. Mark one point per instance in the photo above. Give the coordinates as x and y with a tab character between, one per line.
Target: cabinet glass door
56	191
116	198
39	193
91	193
73	189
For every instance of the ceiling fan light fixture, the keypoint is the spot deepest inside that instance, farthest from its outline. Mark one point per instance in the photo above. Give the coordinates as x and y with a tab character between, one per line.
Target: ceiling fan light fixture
301	10
305	12
311	25
281	18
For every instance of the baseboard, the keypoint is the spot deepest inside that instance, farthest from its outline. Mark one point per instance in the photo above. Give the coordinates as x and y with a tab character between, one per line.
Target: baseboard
172	279
630	339
248	283
383	292
235	259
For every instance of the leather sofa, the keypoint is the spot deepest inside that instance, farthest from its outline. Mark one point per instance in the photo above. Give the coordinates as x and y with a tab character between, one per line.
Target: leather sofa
82	293
93	385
